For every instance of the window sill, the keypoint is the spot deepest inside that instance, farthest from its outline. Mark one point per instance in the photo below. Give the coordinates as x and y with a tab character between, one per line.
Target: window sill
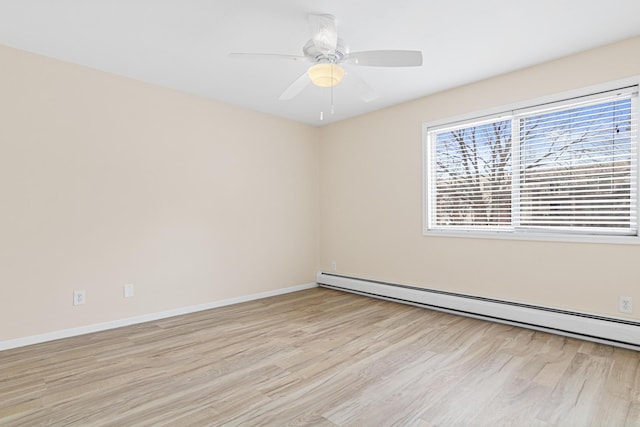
530	236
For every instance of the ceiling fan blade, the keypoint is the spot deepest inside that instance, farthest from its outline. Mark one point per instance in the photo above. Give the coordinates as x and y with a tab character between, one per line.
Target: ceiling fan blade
324	32
386	58
295	88
236	55
366	92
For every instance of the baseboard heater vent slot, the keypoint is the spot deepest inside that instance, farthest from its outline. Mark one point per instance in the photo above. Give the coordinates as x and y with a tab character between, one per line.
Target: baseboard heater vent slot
607	330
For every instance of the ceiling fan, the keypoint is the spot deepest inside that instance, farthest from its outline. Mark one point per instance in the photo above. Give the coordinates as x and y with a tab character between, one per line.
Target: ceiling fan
327	52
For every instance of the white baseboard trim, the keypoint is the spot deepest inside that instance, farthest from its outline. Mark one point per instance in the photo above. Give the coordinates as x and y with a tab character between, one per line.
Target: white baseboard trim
97	327
619	332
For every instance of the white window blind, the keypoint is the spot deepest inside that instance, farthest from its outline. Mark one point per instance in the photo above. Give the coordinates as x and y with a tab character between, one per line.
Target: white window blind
568	167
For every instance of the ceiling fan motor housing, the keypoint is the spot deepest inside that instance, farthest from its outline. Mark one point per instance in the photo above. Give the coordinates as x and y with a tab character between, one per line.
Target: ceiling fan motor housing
335	57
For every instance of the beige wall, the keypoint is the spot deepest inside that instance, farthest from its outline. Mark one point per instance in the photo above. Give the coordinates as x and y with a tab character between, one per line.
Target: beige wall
371	201
106	181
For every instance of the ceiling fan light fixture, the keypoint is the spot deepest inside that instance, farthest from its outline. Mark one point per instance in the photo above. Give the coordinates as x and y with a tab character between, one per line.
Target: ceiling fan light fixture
326	75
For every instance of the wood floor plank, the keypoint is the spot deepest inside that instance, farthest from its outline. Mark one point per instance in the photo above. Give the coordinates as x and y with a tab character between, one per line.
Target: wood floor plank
578	391
324	358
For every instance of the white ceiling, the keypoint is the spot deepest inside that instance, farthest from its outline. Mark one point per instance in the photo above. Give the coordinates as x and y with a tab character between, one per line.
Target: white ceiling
184	44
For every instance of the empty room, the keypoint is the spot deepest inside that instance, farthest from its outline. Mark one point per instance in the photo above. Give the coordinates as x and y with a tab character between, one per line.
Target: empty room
251	213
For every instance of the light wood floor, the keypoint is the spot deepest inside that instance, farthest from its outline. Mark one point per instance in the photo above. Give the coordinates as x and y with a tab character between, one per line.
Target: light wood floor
320	357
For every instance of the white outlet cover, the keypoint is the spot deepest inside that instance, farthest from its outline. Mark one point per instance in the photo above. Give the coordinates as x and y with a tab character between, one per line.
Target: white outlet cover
79	297
625	305
129	290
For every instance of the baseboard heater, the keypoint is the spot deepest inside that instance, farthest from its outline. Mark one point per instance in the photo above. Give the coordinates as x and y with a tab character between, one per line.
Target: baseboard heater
607	330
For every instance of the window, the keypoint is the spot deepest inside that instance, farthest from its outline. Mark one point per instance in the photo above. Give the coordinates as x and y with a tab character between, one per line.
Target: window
567	168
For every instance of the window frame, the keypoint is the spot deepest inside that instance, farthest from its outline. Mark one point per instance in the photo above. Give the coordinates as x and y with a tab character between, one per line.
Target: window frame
514	110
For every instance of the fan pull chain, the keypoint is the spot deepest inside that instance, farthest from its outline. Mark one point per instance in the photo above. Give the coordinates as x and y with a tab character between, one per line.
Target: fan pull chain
332	108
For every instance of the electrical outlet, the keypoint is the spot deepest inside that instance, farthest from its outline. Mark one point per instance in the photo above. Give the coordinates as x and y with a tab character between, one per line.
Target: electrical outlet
625	305
79	297
334	266
129	290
